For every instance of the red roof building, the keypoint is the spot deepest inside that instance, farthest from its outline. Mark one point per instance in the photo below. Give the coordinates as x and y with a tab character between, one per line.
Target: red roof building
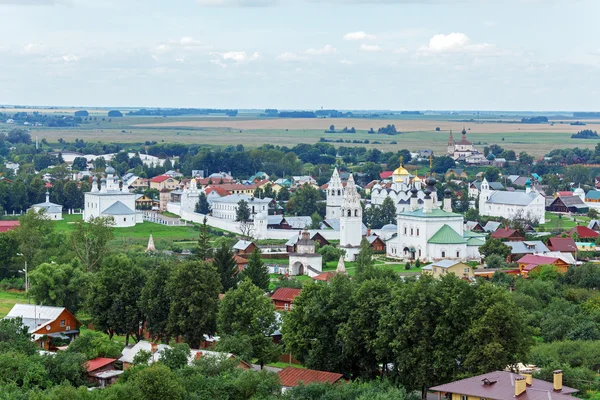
283	298
565	245
325	276
529	262
97	363
386	174
160	178
292	377
6	226
505	233
583	232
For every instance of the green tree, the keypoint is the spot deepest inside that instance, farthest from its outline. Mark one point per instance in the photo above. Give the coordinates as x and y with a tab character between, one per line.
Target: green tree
61	285
194	287
176	357
114	297
387	212
492	174
256	271
495	261
226	266
316	221
283	194
494	246
93	344
202	205
65	366
246	311
157	382
32	234
156	301
90	240
204	250
364	258
304	201
14	337
243	211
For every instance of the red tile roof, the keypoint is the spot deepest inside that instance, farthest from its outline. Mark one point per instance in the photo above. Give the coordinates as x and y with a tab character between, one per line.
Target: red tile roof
292	377
160	178
534	259
286	294
220	191
325	276
583	232
207	181
503	233
386	174
562	244
99	362
8	225
565	193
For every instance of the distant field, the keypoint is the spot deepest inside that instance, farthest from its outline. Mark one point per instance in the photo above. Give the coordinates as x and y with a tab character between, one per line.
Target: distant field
9	299
418	132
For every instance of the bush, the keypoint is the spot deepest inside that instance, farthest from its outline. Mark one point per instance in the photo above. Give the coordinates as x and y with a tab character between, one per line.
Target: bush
12	284
330	253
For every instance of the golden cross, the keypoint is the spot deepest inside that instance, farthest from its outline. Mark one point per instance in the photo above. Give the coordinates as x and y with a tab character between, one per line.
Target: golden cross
401	160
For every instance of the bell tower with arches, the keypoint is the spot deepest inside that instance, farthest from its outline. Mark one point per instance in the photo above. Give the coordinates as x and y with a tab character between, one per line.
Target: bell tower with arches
335	196
351	220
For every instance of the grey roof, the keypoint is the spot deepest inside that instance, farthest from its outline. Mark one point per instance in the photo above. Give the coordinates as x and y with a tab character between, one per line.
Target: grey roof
334	223
445	263
118	208
242	245
389	227
34	316
492	226
274	219
593	223
493	185
512	198
293	240
527	247
298	222
50	208
572	201
235	198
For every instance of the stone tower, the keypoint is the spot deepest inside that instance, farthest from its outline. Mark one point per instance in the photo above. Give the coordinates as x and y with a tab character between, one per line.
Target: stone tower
335	196
351	221
451	144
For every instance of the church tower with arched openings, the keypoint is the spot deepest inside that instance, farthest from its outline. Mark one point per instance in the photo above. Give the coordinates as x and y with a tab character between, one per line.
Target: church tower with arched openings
335	196
351	221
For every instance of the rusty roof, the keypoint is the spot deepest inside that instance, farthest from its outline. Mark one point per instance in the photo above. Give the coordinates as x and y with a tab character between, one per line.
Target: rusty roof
562	244
99	362
292	377
501	386
286	294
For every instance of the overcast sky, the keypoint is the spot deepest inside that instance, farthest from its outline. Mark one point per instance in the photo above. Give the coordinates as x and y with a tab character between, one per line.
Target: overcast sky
344	54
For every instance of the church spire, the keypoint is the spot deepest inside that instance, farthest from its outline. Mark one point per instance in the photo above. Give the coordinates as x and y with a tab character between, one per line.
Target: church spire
464	134
450	139
150	244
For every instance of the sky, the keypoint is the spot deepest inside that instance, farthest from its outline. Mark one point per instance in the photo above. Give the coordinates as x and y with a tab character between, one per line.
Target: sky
302	54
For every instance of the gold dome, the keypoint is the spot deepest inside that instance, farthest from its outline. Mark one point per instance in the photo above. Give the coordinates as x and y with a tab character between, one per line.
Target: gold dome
417	179
401	171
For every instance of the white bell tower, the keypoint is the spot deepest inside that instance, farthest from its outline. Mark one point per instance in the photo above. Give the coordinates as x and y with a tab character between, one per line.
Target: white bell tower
351	221
335	196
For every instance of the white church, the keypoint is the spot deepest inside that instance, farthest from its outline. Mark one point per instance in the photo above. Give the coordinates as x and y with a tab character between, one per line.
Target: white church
398	190
351	225
430	233
111	200
505	204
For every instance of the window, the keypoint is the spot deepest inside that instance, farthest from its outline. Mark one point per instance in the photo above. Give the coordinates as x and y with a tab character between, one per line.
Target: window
443	254
286	306
124	219
463	397
417	231
419	252
63	322
457	254
405	230
466	270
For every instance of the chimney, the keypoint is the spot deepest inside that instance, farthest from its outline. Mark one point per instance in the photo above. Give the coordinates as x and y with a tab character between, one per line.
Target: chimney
448	200
528	378
414	200
154	348
368	231
558	380
520	385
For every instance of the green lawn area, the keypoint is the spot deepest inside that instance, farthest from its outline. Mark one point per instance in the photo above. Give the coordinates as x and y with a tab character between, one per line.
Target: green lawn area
138	235
564	222
9	299
284	365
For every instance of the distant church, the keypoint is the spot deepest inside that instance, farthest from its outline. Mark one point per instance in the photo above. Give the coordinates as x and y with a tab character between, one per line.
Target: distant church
463	150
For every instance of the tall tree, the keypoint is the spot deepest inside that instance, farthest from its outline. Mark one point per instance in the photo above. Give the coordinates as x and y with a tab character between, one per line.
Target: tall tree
243	211
90	240
61	285
156	301
194	287
33	232
246	311
364	258
387	212
256	271
226	267
204	250
202	205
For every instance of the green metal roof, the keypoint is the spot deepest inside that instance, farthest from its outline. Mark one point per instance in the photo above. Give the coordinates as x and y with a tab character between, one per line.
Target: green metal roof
471	234
446	235
475	241
435	213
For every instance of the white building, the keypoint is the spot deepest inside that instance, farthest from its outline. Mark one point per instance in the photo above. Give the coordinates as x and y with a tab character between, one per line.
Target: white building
226	207
351	221
190	196
306	260
463	150
429	233
398	190
335	196
51	210
111	201
499	203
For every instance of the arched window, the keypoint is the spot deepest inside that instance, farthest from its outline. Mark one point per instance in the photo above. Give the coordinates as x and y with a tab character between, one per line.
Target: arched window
339	192
349	213
356	213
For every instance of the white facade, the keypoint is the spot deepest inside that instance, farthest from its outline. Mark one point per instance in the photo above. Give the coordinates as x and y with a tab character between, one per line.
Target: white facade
51	210
351	221
399	190
226	207
504	204
305	261
190	196
111	201
335	196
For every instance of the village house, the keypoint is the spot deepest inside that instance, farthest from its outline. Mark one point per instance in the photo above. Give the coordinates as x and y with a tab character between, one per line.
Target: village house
102	371
327	276
594	225
564	245
444	267
456	173
583	233
474	226
283	298
51	210
507	234
505	204
475	186
244	247
376	243
567	204
504	385
46	324
164	182
291	377
6	226
519	249
291	247
530	262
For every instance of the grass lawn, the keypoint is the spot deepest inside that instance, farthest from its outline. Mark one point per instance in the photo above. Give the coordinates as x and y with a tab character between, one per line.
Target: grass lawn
9	299
138	235
284	365
564	222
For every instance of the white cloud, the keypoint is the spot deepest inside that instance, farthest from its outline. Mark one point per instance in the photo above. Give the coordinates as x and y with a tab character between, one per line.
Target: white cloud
358	36
346	62
70	58
33	48
288	56
233	58
370	48
452	43
162	48
328	49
